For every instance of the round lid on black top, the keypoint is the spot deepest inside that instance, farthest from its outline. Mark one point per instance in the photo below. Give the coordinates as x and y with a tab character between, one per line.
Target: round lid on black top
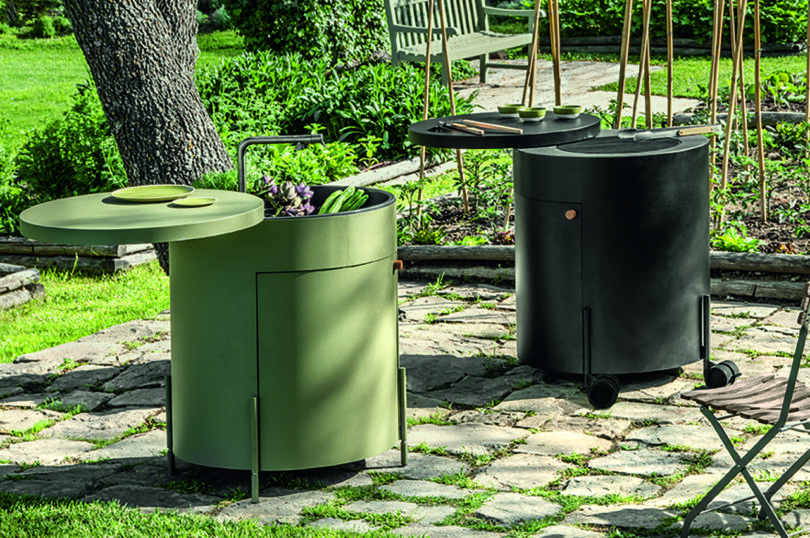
615	145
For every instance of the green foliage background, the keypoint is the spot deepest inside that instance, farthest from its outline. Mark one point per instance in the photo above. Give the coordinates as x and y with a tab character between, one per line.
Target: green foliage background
782	21
342	31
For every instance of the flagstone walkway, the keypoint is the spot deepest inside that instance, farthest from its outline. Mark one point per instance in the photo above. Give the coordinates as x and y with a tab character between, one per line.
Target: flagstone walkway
495	448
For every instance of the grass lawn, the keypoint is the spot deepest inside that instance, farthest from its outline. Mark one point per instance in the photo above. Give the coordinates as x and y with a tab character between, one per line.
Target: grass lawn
691	75
76	305
27	517
37	77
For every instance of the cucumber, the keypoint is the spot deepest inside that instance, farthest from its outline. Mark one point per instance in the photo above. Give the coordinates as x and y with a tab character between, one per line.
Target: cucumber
329	203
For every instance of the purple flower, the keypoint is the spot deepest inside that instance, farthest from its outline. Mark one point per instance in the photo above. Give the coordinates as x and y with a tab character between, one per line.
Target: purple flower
287	199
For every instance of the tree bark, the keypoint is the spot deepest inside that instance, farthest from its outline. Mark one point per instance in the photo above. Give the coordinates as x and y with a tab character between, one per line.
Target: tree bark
142	54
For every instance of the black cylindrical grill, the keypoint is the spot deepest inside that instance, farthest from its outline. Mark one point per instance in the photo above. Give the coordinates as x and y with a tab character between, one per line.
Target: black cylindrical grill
612	255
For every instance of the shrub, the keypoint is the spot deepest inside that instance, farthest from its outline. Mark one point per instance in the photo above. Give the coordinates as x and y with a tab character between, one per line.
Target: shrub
220	20
344	31
208	6
43	27
12	198
62	25
75	154
264	93
783	21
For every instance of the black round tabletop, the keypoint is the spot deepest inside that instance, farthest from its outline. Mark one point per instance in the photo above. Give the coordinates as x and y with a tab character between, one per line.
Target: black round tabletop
551	131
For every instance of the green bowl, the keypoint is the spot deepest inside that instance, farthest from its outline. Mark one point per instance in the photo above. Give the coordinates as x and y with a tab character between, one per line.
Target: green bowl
568	112
510	109
535	113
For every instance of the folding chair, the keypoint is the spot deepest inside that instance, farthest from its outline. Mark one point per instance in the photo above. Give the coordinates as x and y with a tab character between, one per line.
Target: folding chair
769	399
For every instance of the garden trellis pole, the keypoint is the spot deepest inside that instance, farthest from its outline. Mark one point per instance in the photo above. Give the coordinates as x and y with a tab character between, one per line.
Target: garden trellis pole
670	62
531	73
648	70
554	38
625	53
717	35
465	199
426	110
643	64
807	78
763	207
741	84
736	51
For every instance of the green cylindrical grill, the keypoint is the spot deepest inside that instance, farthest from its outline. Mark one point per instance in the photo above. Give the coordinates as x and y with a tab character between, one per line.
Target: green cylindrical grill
300	312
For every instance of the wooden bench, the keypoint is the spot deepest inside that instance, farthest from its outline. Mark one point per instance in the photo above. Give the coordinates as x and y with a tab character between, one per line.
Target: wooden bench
468	33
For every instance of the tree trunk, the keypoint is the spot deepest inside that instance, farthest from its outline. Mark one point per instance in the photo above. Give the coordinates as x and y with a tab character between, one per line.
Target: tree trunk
141	54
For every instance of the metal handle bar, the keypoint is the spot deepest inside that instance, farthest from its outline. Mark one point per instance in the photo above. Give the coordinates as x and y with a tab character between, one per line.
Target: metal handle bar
299	140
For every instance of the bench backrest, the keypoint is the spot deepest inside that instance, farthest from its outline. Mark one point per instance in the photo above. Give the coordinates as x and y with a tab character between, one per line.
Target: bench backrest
466	16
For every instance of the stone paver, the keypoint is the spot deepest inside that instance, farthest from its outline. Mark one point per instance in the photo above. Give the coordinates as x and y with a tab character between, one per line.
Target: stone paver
103	426
487	430
478	439
623	516
508	509
423	488
277	505
553	443
599	486
645	462
524	471
420	513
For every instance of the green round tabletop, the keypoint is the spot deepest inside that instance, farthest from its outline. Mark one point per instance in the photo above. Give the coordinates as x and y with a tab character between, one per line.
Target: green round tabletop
101	219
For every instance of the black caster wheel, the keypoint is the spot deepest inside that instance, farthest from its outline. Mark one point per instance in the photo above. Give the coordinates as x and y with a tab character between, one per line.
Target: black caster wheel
603	390
722	374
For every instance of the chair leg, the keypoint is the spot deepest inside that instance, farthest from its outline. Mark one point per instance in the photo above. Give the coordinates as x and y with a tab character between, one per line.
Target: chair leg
483	60
740	467
787	475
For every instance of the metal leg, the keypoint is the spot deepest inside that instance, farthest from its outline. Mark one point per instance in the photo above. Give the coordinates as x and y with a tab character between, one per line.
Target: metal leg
169	428
787	475
705	333
254	465
403	422
740	467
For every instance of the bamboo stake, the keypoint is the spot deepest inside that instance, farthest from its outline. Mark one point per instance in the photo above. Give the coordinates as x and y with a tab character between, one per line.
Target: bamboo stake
625	53
736	49
531	72
465	199
642	64
670	62
807	95
744	108
556	55
425	110
647	73
763	206
717	34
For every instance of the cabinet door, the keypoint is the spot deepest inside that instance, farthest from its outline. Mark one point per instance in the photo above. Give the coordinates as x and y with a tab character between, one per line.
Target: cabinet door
327	365
548	265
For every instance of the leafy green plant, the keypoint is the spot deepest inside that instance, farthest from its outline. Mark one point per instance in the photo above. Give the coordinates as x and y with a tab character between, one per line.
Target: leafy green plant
734	238
489	185
368	107
43	27
341	31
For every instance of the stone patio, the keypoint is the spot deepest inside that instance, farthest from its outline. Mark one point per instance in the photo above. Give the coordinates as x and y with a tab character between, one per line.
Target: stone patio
495	448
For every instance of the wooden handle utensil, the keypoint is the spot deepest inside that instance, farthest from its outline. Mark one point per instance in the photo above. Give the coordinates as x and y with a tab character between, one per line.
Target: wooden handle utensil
465	128
493	126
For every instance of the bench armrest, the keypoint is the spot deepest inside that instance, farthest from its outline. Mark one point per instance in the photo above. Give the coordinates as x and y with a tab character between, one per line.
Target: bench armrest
511	12
451	31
